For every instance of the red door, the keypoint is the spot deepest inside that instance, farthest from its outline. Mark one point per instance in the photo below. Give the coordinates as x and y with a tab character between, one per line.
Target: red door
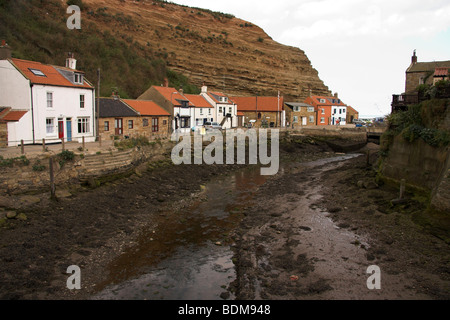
119	126
61	129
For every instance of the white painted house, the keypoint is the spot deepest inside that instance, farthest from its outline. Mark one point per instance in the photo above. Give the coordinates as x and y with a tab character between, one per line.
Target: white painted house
58	102
225	109
339	115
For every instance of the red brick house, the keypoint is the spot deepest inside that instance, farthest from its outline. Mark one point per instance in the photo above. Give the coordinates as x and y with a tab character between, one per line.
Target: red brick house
329	110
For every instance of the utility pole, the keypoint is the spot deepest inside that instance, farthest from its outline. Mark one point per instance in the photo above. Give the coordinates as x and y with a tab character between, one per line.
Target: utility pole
97	108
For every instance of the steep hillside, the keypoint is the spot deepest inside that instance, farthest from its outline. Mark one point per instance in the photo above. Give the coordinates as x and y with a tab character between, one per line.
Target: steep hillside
217	49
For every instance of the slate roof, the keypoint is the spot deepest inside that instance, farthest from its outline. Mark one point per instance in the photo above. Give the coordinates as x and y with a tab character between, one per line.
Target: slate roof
215	96
428	66
329	101
111	107
298	104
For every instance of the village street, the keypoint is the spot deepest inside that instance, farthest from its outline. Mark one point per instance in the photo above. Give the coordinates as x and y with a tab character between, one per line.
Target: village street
310	232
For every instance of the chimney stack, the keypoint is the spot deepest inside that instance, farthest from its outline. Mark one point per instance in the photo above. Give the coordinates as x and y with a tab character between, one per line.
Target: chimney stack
71	62
5	51
336	95
414	58
166	82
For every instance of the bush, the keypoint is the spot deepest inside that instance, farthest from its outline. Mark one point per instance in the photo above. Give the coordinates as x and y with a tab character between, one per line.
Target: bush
416	123
66	155
132	143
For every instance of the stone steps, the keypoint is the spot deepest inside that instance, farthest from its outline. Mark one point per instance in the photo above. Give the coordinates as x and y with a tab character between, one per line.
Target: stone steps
101	163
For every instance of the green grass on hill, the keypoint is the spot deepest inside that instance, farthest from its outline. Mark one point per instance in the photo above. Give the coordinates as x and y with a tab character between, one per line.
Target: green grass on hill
36	30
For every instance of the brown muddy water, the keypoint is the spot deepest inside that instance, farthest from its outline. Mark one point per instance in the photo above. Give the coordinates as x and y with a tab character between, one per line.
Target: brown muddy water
190	257
187	258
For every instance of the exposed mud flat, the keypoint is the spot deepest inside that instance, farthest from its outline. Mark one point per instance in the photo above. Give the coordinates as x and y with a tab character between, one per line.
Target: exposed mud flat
320	231
211	232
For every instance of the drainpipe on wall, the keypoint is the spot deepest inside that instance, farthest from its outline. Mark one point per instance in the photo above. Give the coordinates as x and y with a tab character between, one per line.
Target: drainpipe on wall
32	113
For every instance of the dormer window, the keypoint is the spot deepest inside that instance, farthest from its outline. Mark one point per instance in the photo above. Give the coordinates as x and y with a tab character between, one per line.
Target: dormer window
223	99
185	104
78	78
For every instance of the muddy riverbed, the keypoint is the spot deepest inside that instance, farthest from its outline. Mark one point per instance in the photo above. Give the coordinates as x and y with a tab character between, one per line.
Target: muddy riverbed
224	232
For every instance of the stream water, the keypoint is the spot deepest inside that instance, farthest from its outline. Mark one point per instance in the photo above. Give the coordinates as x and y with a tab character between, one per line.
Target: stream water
188	258
185	259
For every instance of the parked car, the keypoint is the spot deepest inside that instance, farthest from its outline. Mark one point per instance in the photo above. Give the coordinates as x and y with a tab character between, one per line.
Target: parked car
359	123
212	126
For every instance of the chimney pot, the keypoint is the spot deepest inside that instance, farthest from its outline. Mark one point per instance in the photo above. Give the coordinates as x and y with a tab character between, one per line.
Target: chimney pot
5	51
71	62
414	58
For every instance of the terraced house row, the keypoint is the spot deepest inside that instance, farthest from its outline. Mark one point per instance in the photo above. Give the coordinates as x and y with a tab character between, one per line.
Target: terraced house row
47	103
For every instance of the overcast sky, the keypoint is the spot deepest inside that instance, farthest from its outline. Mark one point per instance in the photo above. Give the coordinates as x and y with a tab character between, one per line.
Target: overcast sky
361	48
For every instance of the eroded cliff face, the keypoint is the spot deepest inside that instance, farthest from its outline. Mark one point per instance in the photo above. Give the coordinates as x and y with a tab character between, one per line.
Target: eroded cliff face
219	50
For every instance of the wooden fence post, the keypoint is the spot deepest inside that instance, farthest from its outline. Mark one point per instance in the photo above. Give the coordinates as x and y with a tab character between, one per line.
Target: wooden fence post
63	144
43	145
82	139
22	147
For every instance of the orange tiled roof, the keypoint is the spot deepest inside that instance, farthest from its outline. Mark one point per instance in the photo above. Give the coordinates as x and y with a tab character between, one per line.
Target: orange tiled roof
51	74
267	104
198	101
146	108
441	72
13	116
171	94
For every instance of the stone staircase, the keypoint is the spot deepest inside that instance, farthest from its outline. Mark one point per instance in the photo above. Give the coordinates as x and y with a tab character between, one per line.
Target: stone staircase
105	164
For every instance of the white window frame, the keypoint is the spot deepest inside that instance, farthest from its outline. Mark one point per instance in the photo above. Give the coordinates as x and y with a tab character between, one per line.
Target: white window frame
83	125
82	101
322	120
50	126
78	78
310	109
311	119
49	101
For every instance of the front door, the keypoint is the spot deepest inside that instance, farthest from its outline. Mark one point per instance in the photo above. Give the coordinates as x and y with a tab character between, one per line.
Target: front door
60	129
69	129
119	126
304	121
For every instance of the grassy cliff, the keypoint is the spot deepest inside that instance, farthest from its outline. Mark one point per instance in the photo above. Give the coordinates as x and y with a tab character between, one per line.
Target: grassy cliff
36	30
